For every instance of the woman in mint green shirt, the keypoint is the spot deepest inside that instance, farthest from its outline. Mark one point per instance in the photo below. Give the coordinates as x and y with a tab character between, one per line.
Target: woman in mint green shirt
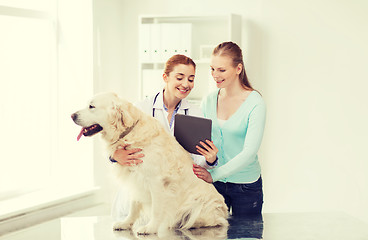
238	115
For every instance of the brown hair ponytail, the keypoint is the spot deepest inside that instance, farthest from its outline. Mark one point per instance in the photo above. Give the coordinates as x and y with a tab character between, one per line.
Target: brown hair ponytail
233	51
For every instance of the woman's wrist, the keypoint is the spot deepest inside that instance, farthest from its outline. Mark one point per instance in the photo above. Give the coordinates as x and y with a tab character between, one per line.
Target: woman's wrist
212	163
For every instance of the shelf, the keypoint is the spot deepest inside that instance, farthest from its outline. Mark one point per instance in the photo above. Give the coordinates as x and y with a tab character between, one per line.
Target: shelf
199	35
199	61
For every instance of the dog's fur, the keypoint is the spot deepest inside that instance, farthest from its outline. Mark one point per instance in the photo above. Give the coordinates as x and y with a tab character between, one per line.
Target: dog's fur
164	185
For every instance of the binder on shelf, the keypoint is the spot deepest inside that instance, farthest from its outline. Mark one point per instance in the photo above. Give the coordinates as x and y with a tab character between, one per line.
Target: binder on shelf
176	38
166	41
145	43
170	35
156	50
160	41
186	39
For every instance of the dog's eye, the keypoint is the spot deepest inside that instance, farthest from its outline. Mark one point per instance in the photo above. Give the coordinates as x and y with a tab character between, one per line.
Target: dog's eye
91	106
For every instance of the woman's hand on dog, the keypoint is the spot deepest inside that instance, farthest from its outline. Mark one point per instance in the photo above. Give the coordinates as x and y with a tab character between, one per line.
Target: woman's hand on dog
127	157
202	173
208	150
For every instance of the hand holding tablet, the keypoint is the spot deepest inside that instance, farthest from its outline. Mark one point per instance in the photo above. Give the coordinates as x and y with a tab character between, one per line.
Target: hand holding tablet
190	131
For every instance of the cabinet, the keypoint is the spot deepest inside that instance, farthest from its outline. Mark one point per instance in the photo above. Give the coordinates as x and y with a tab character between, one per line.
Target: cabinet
160	37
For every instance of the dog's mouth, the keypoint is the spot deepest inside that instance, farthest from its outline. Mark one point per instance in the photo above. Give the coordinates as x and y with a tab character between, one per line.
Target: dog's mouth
89	131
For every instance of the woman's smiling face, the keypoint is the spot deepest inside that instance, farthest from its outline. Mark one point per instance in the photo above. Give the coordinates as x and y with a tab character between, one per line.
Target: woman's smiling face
223	71
180	80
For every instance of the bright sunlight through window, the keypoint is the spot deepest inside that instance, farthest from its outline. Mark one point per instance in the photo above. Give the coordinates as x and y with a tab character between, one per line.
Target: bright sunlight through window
27	60
38	66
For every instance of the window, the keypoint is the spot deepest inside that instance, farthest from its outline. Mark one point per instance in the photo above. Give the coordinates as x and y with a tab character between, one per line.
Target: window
42	70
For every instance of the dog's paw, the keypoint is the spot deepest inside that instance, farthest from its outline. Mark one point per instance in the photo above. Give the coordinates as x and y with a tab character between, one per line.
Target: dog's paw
120	226
148	229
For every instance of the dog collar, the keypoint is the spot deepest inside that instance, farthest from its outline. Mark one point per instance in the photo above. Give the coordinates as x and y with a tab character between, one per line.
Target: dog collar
126	132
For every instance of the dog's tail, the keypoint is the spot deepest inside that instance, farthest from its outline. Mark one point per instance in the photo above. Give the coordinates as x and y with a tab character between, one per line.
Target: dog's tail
205	214
189	216
184	219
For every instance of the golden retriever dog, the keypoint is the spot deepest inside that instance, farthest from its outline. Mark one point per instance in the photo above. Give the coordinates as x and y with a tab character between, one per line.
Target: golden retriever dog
163	188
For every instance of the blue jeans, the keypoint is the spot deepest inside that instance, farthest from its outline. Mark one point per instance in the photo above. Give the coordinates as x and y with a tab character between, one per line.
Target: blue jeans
243	199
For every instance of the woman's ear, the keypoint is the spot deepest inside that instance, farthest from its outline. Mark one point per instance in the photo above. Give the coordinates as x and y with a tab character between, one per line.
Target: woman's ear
239	68
165	77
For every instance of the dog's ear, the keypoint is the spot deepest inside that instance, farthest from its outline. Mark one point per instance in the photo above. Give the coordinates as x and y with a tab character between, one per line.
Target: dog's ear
121	114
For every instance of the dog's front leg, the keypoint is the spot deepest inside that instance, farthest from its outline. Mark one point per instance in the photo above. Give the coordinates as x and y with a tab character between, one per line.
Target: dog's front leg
134	211
158	220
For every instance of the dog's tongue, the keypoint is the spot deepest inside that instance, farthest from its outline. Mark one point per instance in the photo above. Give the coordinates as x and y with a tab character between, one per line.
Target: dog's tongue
80	134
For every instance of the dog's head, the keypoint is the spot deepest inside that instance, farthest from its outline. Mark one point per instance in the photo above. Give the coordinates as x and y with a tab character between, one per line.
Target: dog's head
106	113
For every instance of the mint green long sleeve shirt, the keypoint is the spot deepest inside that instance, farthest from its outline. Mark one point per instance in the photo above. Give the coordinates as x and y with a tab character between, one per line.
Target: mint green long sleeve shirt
238	140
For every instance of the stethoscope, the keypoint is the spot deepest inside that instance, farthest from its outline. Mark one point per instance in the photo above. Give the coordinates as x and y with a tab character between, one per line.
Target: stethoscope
153	109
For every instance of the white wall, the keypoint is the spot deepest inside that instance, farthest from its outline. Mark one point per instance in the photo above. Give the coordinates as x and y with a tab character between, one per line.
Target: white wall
314	80
308	59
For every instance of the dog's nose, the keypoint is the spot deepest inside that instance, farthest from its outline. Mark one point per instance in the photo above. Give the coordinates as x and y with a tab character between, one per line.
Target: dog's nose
74	116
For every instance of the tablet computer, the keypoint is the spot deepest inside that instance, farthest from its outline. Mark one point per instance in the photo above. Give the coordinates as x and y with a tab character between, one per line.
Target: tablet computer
190	130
